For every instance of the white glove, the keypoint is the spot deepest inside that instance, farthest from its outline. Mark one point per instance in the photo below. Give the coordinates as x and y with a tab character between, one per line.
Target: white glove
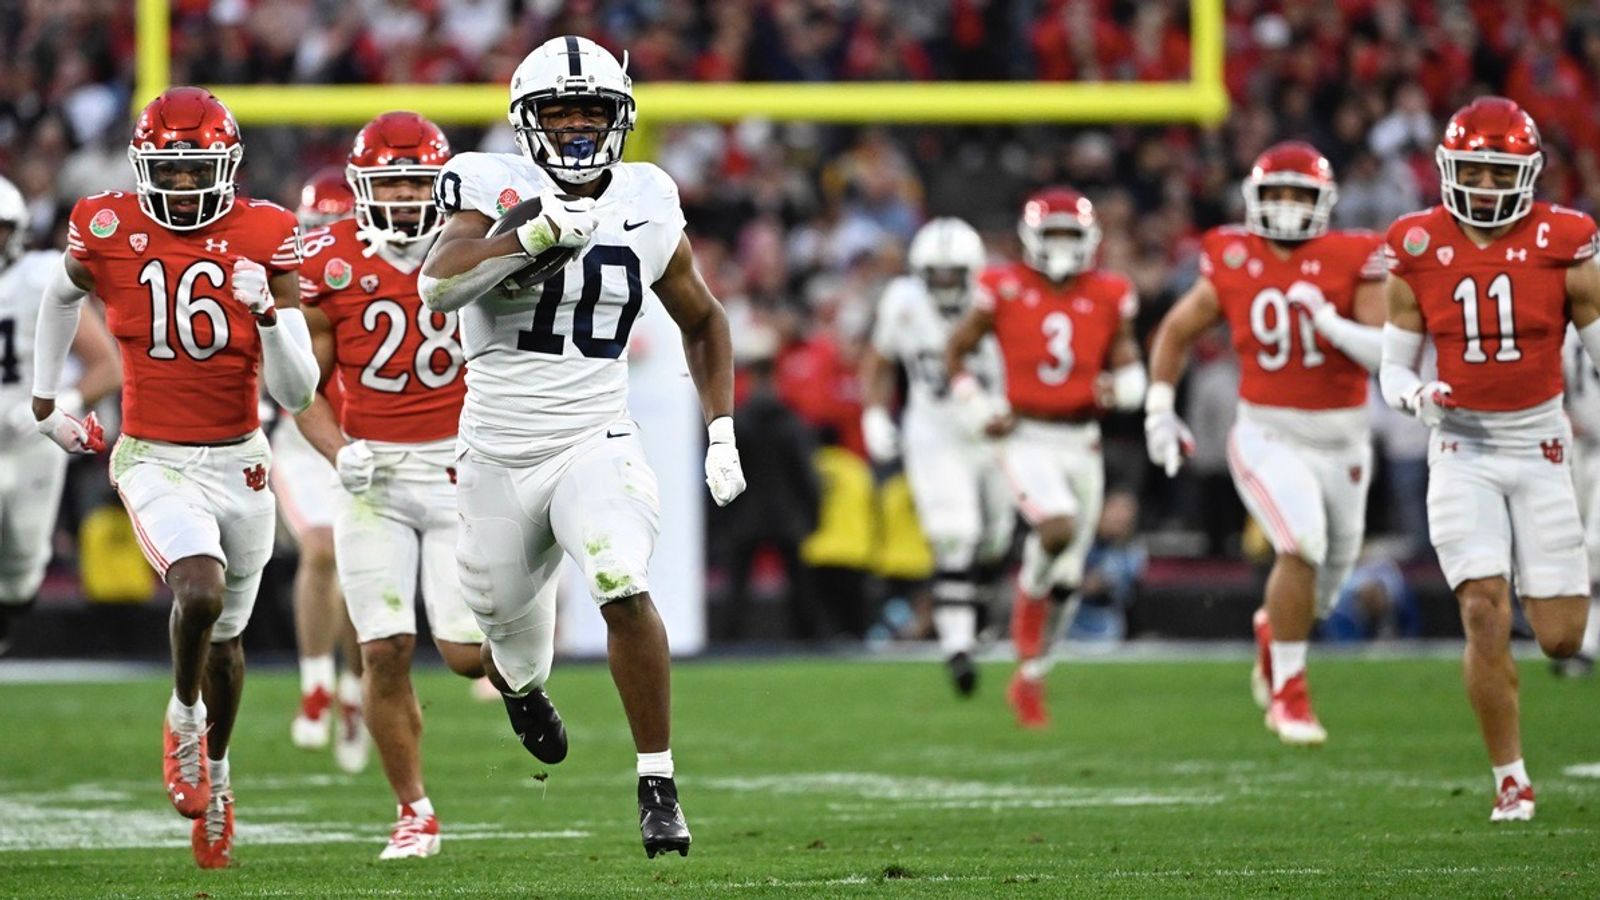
724	475
250	287
975	408
354	463
880	434
1429	401
72	435
1308	297
560	223
1166	439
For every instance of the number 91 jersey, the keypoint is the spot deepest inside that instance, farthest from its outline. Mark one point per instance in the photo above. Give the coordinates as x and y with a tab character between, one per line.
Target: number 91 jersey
1497	314
548	366
398	363
1283	362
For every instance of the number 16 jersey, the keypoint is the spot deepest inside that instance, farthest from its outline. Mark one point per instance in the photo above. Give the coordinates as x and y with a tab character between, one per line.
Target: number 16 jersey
547	367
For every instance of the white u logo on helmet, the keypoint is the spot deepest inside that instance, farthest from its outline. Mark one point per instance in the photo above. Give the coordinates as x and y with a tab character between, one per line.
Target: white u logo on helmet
571	69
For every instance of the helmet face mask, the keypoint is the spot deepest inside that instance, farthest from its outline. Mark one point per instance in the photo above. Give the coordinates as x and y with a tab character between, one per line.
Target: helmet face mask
946	254
185	154
392	167
1489	161
1059	233
1290	193
572	108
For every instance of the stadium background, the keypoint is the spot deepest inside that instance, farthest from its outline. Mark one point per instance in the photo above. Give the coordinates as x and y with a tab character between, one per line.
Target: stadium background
809	140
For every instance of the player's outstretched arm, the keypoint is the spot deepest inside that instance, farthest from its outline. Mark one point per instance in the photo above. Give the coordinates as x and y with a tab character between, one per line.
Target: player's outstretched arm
1167	440
1583	294
59	311
708	347
1362	339
1403	389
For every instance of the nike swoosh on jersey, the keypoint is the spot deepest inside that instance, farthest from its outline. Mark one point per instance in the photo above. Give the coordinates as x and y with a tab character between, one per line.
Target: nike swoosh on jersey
629	226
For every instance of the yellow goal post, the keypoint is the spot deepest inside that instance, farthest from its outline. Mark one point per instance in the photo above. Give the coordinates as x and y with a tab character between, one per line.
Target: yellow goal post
1203	99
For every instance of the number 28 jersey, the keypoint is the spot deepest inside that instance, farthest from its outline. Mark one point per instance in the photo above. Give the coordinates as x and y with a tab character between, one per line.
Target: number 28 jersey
398	363
1497	314
190	352
548	366
1283	362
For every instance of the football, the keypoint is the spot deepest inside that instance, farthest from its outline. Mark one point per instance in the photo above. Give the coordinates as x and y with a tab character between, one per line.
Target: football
543	266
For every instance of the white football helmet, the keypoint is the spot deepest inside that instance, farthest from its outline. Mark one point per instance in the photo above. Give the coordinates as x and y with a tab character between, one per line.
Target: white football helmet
562	69
13	210
946	254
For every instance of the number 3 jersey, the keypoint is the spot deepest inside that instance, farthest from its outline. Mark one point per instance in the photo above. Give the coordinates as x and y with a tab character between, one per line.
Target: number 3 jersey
399	364
1497	314
548	366
911	330
1283	362
190	353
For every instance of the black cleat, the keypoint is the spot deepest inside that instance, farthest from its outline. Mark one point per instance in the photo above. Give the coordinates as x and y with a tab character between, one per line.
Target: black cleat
963	673
1577	666
660	820
538	726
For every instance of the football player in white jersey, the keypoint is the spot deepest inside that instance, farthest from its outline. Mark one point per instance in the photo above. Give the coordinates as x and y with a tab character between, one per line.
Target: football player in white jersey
32	469
963	502
548	460
1583	408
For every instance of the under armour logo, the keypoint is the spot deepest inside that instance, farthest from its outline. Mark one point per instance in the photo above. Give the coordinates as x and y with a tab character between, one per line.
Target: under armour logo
1520	254
256	478
1449	446
1553	450
216	246
1311	267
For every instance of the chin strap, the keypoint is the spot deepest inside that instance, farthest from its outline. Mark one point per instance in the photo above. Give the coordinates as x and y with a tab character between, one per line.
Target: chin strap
376	238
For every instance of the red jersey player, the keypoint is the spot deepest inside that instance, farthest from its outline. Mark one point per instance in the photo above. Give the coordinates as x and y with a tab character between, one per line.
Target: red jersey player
330	708
1493	277
1065	330
401	368
1301	452
201	292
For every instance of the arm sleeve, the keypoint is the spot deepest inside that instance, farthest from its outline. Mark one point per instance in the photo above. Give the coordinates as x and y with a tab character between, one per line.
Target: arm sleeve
58	324
450	294
1397	375
1362	343
289	363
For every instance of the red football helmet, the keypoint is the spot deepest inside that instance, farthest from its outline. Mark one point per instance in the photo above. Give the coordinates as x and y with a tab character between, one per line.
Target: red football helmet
1059	232
397	145
185	153
1496	133
326	198
1294	164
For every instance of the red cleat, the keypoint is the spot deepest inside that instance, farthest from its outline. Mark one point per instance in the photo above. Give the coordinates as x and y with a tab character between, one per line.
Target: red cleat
1291	718
1514	803
1028	615
1261	672
1026	697
212	836
310	729
186	771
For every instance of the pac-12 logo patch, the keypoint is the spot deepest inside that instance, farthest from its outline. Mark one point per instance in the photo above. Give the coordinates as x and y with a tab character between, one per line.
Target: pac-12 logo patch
369	283
104	224
1416	240
138	241
507	199
1234	256
337	273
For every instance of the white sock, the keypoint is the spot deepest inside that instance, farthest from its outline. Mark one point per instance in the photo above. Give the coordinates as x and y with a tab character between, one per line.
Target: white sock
186	718
657	765
316	672
421	808
349	689
1515	769
219	773
1037	668
1591	632
1288	660
957	624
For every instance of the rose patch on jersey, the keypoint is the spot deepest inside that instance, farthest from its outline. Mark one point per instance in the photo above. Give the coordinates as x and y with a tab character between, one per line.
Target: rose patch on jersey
1416	241
337	273
507	199
104	224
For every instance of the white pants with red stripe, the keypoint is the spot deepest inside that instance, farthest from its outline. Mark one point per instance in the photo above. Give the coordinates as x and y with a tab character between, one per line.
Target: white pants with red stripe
32	472
401	534
1055	471
1310	498
305	482
202	501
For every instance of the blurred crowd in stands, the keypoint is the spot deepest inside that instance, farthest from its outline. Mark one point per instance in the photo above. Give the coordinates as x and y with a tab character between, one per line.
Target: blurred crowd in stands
798	225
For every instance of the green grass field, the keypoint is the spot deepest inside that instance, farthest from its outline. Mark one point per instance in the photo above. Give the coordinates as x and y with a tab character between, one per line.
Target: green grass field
840	779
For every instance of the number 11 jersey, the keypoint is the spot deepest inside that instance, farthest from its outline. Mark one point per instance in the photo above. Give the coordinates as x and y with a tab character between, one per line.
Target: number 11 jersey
547	367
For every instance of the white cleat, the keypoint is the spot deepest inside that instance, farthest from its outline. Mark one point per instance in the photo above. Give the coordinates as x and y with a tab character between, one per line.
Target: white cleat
413	837
353	745
1514	803
312	728
1290	717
